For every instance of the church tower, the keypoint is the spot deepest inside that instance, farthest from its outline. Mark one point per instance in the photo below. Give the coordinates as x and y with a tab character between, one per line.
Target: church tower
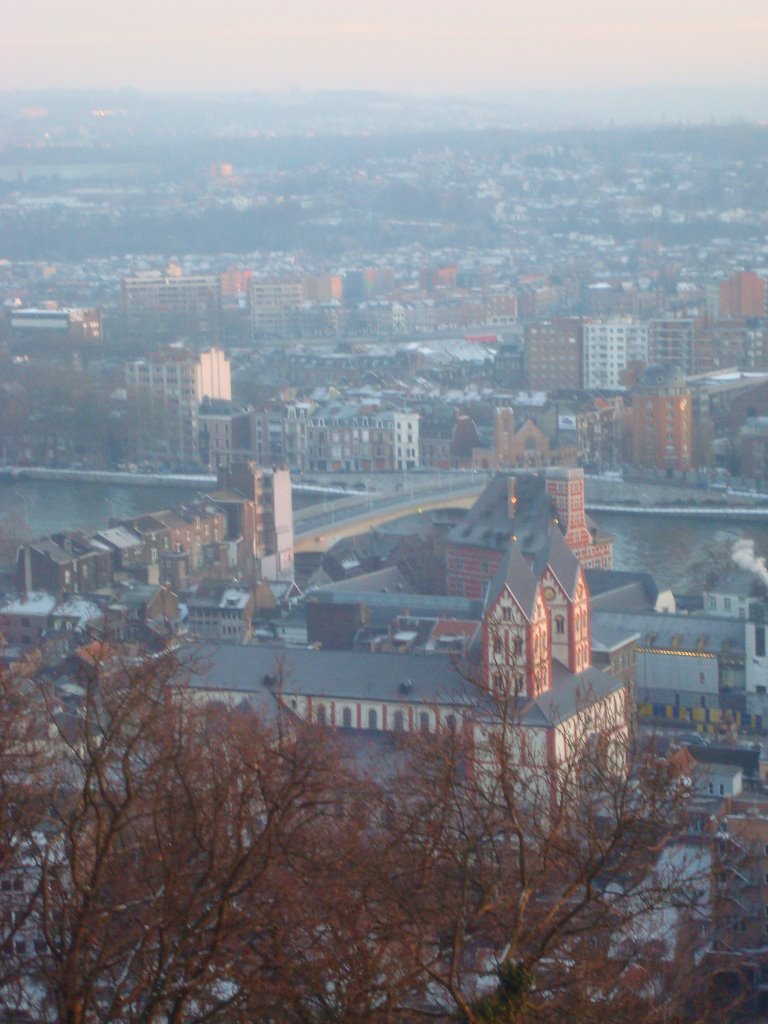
567	597
515	634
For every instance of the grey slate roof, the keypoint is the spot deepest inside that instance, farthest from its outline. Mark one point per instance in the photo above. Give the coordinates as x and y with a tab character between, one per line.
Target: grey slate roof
569	693
678	632
421	605
515	573
488	525
564	564
387	580
609	638
350	675
641	585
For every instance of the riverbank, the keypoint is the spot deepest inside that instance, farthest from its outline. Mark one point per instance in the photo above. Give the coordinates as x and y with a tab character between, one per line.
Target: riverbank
105	476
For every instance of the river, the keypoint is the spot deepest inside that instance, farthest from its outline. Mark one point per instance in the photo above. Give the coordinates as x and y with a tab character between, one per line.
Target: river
666	547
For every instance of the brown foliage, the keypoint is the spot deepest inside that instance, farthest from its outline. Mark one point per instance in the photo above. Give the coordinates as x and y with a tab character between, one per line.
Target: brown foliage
195	863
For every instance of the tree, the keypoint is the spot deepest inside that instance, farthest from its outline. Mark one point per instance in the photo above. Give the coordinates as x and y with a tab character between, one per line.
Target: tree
532	892
193	862
176	839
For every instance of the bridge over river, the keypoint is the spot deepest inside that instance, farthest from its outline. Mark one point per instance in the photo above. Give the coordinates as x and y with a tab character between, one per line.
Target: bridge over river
319	527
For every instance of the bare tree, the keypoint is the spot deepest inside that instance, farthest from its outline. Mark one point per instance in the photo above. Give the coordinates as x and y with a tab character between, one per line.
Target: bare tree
196	863
529	889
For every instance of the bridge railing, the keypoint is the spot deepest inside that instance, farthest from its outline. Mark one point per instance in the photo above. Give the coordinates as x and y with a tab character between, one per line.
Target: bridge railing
364	503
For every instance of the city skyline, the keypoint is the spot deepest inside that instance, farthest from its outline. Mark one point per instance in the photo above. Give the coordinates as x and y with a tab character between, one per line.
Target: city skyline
600	46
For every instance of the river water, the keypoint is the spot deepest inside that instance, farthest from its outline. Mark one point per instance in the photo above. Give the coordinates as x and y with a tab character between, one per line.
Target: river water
666	547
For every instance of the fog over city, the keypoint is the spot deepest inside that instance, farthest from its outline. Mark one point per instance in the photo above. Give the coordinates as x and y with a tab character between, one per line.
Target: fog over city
383	513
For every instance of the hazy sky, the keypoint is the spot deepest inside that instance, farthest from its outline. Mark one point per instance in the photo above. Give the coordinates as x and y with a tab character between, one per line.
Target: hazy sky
403	45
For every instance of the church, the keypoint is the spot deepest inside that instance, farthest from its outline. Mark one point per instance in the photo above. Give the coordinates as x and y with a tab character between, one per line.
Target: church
529	655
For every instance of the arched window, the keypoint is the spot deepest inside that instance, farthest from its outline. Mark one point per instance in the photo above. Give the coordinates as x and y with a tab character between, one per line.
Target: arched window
321	715
450	723
517	647
560	624
497	645
424	721
346	718
373	719
399	721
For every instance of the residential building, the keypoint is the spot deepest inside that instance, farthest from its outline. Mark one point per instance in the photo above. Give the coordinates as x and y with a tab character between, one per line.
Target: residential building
235	282
63	563
226	433
739	957
594	426
220	610
167	389
447	437
141	611
660	420
348	437
722	343
24	620
743	294
752	449
554	353
610	347
258	507
323	288
672	340
276	305
167	305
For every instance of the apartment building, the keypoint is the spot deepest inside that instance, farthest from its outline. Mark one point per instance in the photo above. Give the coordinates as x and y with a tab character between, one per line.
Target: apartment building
554	353
167	389
221	611
259	509
276	307
157	304
743	294
609	347
672	340
340	437
660	420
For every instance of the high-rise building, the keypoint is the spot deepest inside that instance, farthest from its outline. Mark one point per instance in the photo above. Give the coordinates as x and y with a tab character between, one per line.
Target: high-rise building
167	389
611	346
157	305
234	282
323	288
554	353
259	509
660	420
276	305
744	294
722	343
672	340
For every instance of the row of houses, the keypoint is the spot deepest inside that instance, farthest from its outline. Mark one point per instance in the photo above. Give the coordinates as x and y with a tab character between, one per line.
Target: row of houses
244	527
